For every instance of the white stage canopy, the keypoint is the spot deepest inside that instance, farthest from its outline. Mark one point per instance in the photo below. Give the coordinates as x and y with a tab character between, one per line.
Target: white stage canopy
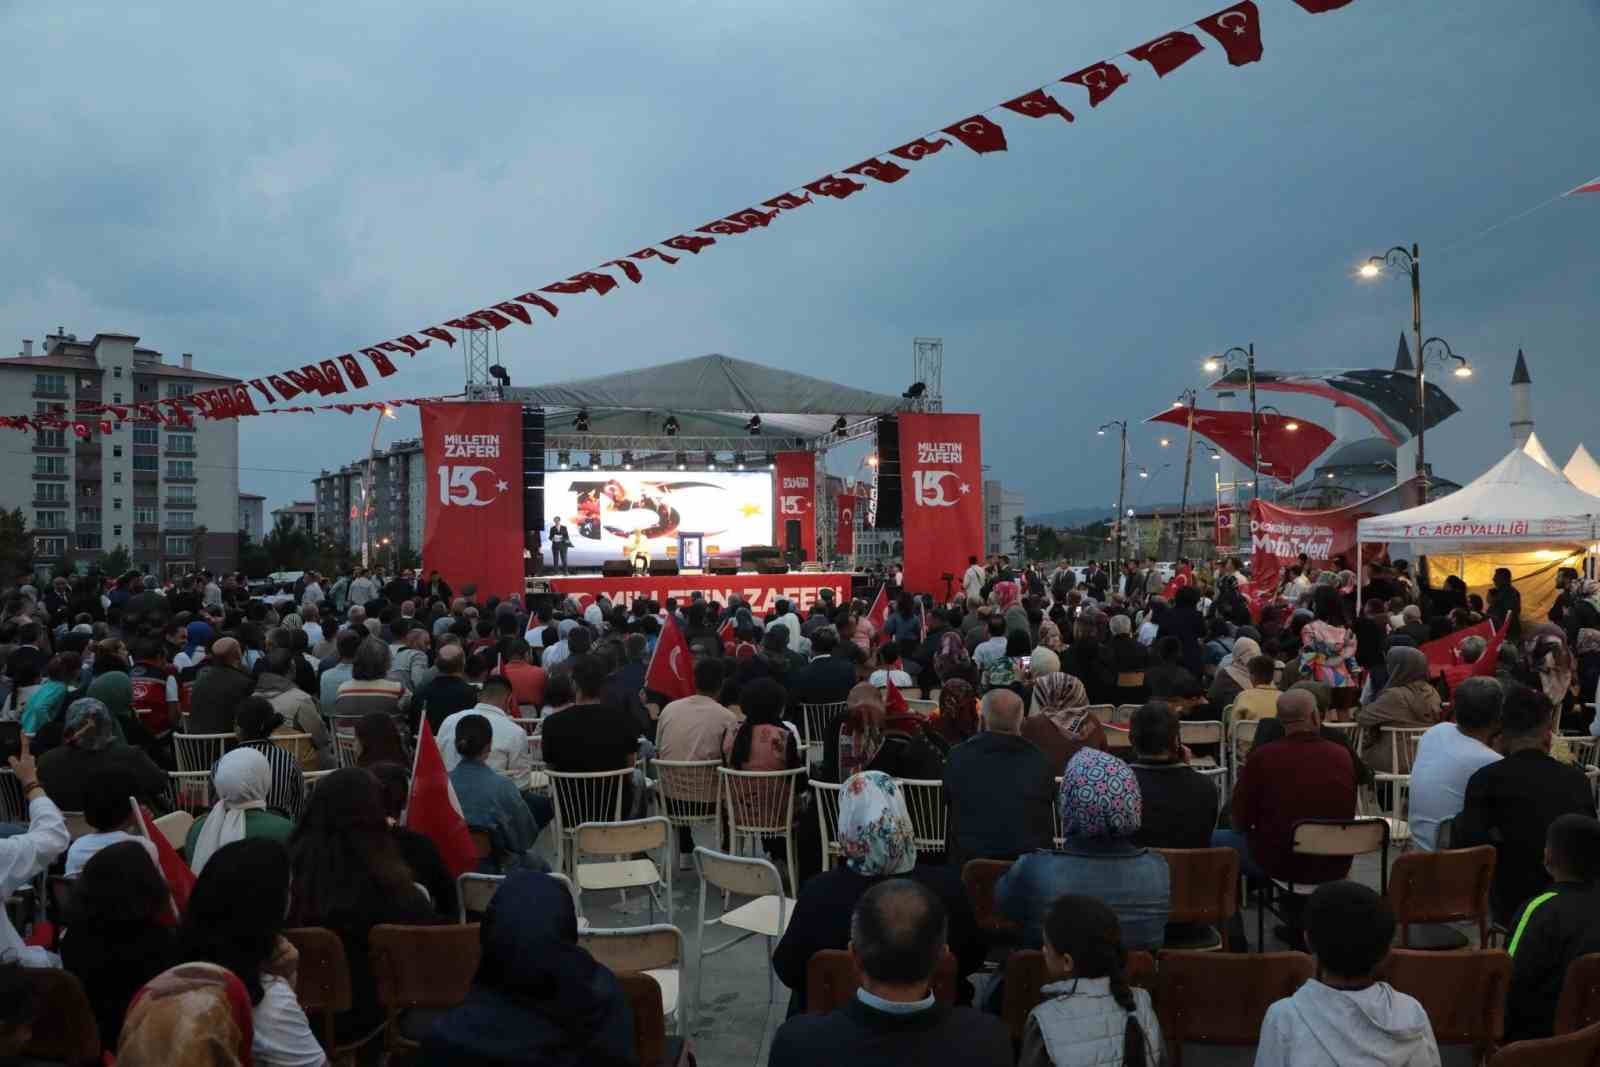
1582	471
1535	448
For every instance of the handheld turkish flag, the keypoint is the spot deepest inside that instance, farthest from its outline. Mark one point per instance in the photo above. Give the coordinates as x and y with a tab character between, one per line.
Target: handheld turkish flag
728	631
180	879
433	811
671	671
878	614
893	701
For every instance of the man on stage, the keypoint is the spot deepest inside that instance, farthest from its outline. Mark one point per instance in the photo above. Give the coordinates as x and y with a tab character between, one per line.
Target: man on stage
560	541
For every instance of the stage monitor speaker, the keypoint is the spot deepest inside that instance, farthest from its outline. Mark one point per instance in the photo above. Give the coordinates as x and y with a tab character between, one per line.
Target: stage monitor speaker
750	555
663	568
771	567
722	566
616	568
887	475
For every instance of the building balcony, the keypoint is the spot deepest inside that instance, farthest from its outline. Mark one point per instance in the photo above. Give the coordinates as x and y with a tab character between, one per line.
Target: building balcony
182	453
179	502
49	476
51	394
175	480
58	450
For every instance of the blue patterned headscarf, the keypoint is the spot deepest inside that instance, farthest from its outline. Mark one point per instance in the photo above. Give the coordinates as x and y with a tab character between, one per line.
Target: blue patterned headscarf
875	831
1099	797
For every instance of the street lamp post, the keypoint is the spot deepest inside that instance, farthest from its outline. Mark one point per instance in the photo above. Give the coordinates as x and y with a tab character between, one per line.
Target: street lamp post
1187	399
1122	484
1216	363
1409	260
366	486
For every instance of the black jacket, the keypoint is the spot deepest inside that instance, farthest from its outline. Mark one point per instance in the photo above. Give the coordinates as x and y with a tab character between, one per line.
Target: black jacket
1180	806
1189	627
825	680
441	698
990	822
1510	804
218	689
1555	929
865	1037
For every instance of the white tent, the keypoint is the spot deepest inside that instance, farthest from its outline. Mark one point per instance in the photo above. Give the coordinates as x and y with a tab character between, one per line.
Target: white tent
1535	448
1517	502
1582	471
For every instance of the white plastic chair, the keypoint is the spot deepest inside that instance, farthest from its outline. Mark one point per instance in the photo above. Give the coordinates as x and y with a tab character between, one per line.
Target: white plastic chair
580	797
925	803
656	950
190	790
310	780
626	839
344	745
767	914
688	791
760	804
1208	732
200	752
825	798
1241	736
814	721
1055	819
474	891
12	806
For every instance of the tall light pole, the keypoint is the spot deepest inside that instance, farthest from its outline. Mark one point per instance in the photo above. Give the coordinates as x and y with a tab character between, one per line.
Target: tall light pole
1248	354
366	486
1438	350
1122	484
1185	399
1410	261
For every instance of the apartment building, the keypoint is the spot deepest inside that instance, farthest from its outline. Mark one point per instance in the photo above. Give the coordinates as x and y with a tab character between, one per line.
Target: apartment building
1001	510
252	517
396	512
146	486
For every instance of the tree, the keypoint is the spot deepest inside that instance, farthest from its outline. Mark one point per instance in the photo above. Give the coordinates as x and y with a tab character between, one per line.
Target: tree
253	558
1045	543
197	547
117	562
287	546
16	547
1019	538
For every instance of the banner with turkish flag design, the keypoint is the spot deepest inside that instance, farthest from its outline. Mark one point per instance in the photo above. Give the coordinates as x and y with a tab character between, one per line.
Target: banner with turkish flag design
473	469
941	493
795	487
1279	536
1238	30
671	670
844	538
1288	446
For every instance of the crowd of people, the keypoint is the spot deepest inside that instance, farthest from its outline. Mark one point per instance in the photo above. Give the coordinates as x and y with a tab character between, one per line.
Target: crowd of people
98	676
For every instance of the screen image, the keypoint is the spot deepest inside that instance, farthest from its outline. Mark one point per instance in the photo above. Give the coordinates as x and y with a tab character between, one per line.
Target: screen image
619	514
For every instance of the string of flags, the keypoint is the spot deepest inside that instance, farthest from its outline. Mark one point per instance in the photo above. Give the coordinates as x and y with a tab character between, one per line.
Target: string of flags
179	418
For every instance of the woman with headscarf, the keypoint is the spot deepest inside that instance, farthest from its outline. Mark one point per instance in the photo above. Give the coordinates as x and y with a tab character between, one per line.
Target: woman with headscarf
1233	676
1407	700
878	737
89	749
197	643
194	1015
958	711
1547	652
1100	810
537	997
952	661
1061	722
242	779
877	842
1050	636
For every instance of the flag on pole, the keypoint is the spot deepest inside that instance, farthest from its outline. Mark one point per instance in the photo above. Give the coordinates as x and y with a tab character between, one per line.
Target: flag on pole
894	702
433	811
671	670
180	879
1591	186
878	614
727	632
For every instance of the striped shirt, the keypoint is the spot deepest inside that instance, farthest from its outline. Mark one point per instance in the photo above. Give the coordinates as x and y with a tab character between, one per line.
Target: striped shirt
288	785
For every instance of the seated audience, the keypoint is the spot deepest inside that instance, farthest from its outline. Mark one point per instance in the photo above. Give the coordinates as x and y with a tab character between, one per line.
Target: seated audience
889	669
378	740
117	937
1511	803
1167	676
242	779
1408	699
1260	700
448	692
108	809
592	735
221	683
830	674
192	1015
488	799
990	823
370	688
256	722
1100	809
1234	676
876	736
90	748
276	683
1345	1015
1061	722
537	997
509	754
695	728
418	850
1179	803
1447	757
877	841
1555	928
958	713
527	678
24	856
897	939
1088	1015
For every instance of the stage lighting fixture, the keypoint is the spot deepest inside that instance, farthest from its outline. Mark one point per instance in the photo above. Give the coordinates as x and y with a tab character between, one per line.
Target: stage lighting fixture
753	427
681	460
627	461
498	373
840	424
670	427
872	460
711	461
772	462
738	460
594	461
564	459
580	424
916	390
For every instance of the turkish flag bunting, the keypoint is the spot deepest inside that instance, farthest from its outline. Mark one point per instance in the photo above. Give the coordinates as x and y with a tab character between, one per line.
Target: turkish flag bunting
80	429
433	811
380	362
331	375
1038	104
629	270
1101	80
686	242
978	134
1167	54
105	425
724	228
397	348
516	311
915	150
838	188
284	388
411	344
491	318
119	410
752	216
540	302
1238	30
584	282
1586	187
242	401
786	202
306	383
1317	7
651	253
885	171
348	409
466	323
353	371
671	670
439	333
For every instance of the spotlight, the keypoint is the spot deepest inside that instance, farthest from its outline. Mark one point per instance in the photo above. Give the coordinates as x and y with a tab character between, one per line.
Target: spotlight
499	374
738	460
594	461
872	460
711	461
580	424
1165	442
670	427
753	427
1291	425
681	459
916	390
840	425
772	462
564	459
627	461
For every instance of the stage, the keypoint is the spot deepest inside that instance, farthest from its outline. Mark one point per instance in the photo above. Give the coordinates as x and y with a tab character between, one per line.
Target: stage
760	591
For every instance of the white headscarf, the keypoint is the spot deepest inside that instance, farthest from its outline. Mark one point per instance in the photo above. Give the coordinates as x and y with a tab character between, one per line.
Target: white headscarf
243	778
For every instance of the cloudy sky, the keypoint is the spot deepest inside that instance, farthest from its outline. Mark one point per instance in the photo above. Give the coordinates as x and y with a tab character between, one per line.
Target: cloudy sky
270	185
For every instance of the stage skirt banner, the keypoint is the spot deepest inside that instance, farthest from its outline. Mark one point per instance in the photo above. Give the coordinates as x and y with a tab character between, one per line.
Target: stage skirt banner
844	538
760	591
473	454
941	494
796	491
1278	537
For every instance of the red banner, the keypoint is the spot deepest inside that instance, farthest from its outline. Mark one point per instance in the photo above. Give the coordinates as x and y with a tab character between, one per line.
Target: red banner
1278	536
795	486
844	538
473	455
941	494
1285	452
761	591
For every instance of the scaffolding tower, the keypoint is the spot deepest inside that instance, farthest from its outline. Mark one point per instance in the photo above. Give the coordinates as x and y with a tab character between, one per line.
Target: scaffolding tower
927	355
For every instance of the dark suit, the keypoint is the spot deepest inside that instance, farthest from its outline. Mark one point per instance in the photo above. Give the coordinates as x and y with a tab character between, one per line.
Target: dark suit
990	822
866	1037
217	691
825	680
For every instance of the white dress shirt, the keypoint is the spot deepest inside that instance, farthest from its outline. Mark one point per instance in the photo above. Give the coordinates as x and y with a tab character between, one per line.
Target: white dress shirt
508	747
21	859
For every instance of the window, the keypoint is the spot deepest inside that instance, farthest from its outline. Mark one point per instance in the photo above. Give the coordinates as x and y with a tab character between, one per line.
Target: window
116	477
116	451
116	398
180	442
116	531
149	462
50	384
146	435
180	388
88	515
50	520
180	468
55	492
180	520
49	464
116	503
89	540
88	489
50	546
116	372
144	387
182	495
44	407
145	516
180	546
52	439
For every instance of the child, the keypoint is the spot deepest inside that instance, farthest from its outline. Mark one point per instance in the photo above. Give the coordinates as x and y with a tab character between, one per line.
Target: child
1090	1017
1556	927
1345	1015
1260	701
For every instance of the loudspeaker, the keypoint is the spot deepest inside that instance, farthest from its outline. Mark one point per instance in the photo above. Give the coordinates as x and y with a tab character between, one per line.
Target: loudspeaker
533	470
887	476
663	568
771	567
750	555
616	568
723	566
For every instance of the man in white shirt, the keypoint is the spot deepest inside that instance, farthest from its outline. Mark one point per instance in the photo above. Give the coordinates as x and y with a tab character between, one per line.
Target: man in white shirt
1447	756
25	855
107	810
1149	629
889	669
789	621
312	593
212	596
362	588
972	578
994	649
508	751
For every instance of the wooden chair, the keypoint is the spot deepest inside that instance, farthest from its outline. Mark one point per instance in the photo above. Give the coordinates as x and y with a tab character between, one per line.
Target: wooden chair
1581	1048
299	745
649	1021
1327	837
593	796
1204	891
929	816
64	1027
760	804
475	891
1220	998
766	914
322	982
421	967
622	839
656	951
825	798
979	878
688	791
1579	1005
831	981
1442	887
1026	978
175	826
1464	993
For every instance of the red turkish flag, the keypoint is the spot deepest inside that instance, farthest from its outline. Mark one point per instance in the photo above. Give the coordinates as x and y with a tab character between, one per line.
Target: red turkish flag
516	311
630	270
330	374
786	202
752	216
727	632
918	149
685	242
491	318
411	344
836	187
878	614
1167	54
1318	7
242	401
397	348
105	426
432	809
651	253
1037	104
978	134
723	228
467	323
439	333
179	877
884	171
1238	30
540	302
844	540
352	371
1101	80
671	670
583	282
380	362
1586	187
289	391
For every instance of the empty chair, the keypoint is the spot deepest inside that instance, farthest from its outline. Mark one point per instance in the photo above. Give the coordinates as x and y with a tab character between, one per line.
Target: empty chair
421	967
1204	895
474	893
825	798
815	719
1579	1005
200	752
1581	1048
580	797
758	805
1464	993
1442	887
1326	837
765	914
687	790
191	790
657	951
624	839
925	803
1220	998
